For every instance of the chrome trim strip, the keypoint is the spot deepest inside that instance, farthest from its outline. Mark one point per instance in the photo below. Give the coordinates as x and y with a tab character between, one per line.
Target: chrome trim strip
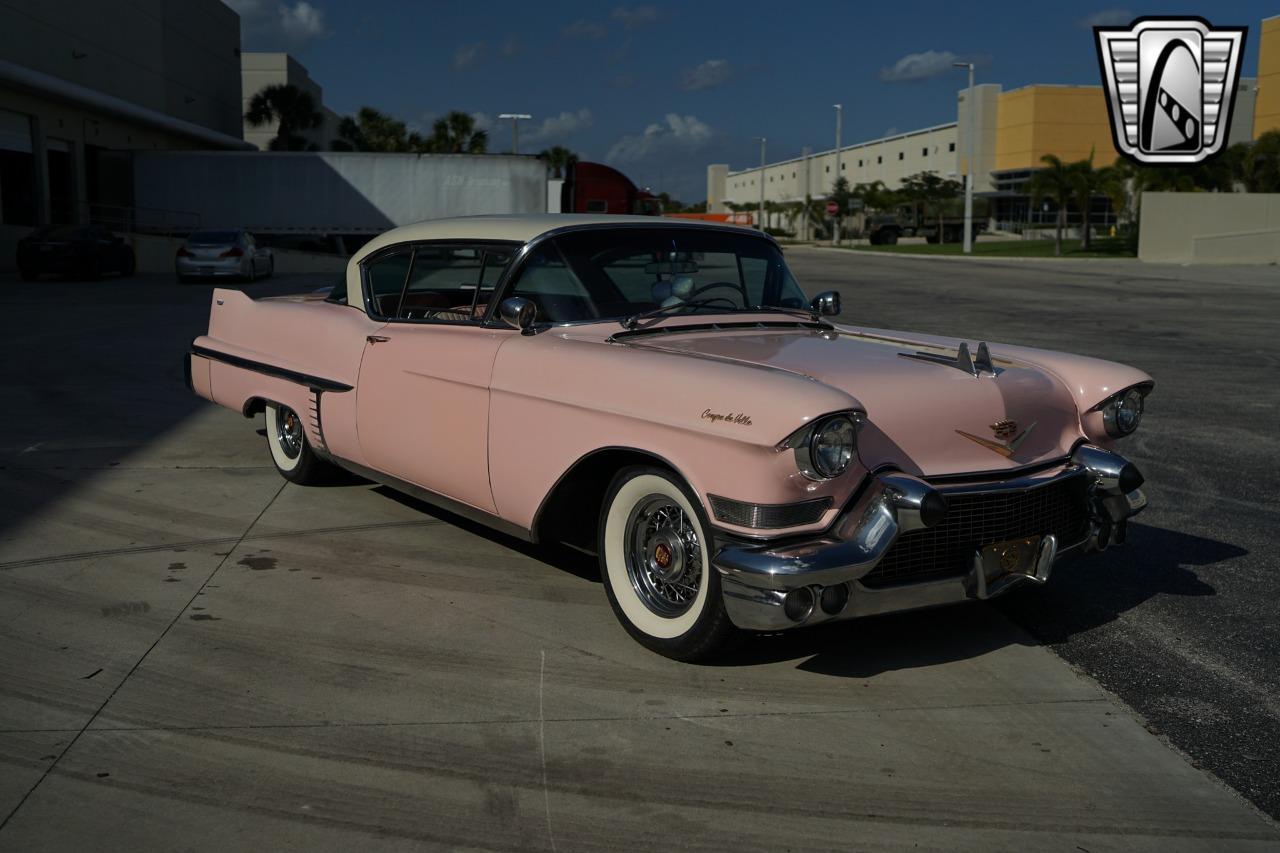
448	504
316	382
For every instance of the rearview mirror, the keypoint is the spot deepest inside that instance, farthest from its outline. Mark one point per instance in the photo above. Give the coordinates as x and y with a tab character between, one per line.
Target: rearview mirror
826	303
518	313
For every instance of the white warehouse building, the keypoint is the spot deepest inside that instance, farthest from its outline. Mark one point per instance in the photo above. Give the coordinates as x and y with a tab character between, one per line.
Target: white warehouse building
889	159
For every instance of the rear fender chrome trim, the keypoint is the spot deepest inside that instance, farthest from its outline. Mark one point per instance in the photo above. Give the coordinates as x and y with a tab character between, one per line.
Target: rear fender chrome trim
315	382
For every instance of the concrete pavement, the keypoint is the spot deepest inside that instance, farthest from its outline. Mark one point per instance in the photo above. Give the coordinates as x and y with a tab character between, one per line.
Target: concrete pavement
195	655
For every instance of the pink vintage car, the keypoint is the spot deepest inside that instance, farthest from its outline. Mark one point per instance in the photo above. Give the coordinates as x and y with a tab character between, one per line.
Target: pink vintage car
663	394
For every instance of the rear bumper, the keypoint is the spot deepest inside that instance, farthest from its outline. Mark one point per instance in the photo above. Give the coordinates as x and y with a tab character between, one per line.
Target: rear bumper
211	268
774	587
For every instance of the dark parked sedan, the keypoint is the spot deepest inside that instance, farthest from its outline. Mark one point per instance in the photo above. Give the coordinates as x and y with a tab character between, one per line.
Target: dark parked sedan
86	250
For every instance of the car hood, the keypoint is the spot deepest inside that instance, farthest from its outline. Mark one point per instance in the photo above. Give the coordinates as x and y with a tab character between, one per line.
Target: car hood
923	417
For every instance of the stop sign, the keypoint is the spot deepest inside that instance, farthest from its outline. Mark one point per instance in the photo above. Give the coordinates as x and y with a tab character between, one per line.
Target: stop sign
832	208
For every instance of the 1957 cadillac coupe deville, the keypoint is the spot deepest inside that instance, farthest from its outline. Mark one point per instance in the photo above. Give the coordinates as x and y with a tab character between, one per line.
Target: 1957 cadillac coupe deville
662	393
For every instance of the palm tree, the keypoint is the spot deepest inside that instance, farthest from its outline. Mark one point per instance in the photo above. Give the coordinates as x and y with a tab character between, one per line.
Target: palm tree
558	159
1089	182
293	109
373	130
1057	181
456	133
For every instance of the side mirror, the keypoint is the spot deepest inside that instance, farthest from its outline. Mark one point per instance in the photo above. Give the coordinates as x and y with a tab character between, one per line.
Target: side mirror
826	303
518	313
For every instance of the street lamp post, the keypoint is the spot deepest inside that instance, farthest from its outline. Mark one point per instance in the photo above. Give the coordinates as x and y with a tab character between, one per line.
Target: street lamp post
968	174
516	118
835	231
762	141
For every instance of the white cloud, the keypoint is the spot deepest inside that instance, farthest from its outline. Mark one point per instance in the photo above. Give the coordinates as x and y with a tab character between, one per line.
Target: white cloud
926	65
1107	18
708	75
674	135
266	25
301	22
467	55
632	17
582	29
559	128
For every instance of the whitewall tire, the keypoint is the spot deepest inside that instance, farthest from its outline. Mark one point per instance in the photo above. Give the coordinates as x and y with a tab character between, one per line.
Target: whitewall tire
290	450
655	562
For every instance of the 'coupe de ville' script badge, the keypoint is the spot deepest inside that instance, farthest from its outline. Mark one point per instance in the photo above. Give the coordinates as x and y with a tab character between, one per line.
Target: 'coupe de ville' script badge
1007	433
731	418
1171	85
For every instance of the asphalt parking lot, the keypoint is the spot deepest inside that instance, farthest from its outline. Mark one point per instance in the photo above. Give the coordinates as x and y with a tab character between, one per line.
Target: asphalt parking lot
195	655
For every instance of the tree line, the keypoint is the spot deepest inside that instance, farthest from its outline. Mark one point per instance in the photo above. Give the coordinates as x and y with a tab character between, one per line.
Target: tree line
296	112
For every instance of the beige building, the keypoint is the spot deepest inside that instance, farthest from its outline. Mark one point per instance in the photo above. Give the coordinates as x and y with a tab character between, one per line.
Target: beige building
259	70
84	82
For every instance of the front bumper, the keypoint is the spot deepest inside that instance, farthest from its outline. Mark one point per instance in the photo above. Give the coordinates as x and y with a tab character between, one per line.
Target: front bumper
770	587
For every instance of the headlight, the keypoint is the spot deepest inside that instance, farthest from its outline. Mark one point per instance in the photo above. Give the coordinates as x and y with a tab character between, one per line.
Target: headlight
825	448
1123	412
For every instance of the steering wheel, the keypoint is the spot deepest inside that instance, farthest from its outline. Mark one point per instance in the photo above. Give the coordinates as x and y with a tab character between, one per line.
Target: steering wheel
712	286
703	303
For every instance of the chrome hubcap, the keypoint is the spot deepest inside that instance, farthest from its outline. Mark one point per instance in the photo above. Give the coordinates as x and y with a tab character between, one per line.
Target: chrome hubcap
664	558
288	432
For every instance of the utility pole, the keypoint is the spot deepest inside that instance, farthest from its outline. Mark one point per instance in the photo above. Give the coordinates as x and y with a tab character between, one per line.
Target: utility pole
762	144
835	231
804	218
516	118
968	174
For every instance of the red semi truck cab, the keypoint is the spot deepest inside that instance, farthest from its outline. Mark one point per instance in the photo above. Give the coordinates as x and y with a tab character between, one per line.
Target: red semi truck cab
597	188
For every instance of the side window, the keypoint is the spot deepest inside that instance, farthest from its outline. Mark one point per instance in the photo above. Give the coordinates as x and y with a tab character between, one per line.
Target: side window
551	286
451	283
386	277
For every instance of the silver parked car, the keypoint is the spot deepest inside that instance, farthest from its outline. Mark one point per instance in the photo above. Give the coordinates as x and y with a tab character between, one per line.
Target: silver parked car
222	253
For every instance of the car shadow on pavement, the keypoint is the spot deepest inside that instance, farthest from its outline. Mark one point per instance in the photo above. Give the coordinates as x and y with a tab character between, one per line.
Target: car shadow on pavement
562	557
1094	591
1082	594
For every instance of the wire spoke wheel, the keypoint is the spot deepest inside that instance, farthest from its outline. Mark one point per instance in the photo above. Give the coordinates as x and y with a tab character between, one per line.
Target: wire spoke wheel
288	432
663	556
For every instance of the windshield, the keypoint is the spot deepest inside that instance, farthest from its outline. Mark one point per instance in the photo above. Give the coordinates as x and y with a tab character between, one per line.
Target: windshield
617	273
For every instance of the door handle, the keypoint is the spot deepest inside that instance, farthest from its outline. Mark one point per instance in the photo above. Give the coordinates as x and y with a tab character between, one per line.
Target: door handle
376	339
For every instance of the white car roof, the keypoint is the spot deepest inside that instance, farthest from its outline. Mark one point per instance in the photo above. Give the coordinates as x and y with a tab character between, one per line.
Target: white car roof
520	228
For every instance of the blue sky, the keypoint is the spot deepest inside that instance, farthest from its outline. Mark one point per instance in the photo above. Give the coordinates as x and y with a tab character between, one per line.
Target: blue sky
660	90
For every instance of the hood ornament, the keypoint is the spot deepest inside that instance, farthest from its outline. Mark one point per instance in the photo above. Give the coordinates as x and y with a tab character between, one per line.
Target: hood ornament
974	365
1005	430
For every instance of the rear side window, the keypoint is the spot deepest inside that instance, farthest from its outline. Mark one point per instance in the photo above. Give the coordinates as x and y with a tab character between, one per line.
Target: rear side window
435	282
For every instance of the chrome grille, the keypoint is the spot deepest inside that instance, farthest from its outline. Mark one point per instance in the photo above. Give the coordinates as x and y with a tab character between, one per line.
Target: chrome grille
975	520
767	516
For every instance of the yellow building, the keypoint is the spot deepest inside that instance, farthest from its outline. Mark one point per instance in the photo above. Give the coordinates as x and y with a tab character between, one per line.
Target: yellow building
1266	114
1068	121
